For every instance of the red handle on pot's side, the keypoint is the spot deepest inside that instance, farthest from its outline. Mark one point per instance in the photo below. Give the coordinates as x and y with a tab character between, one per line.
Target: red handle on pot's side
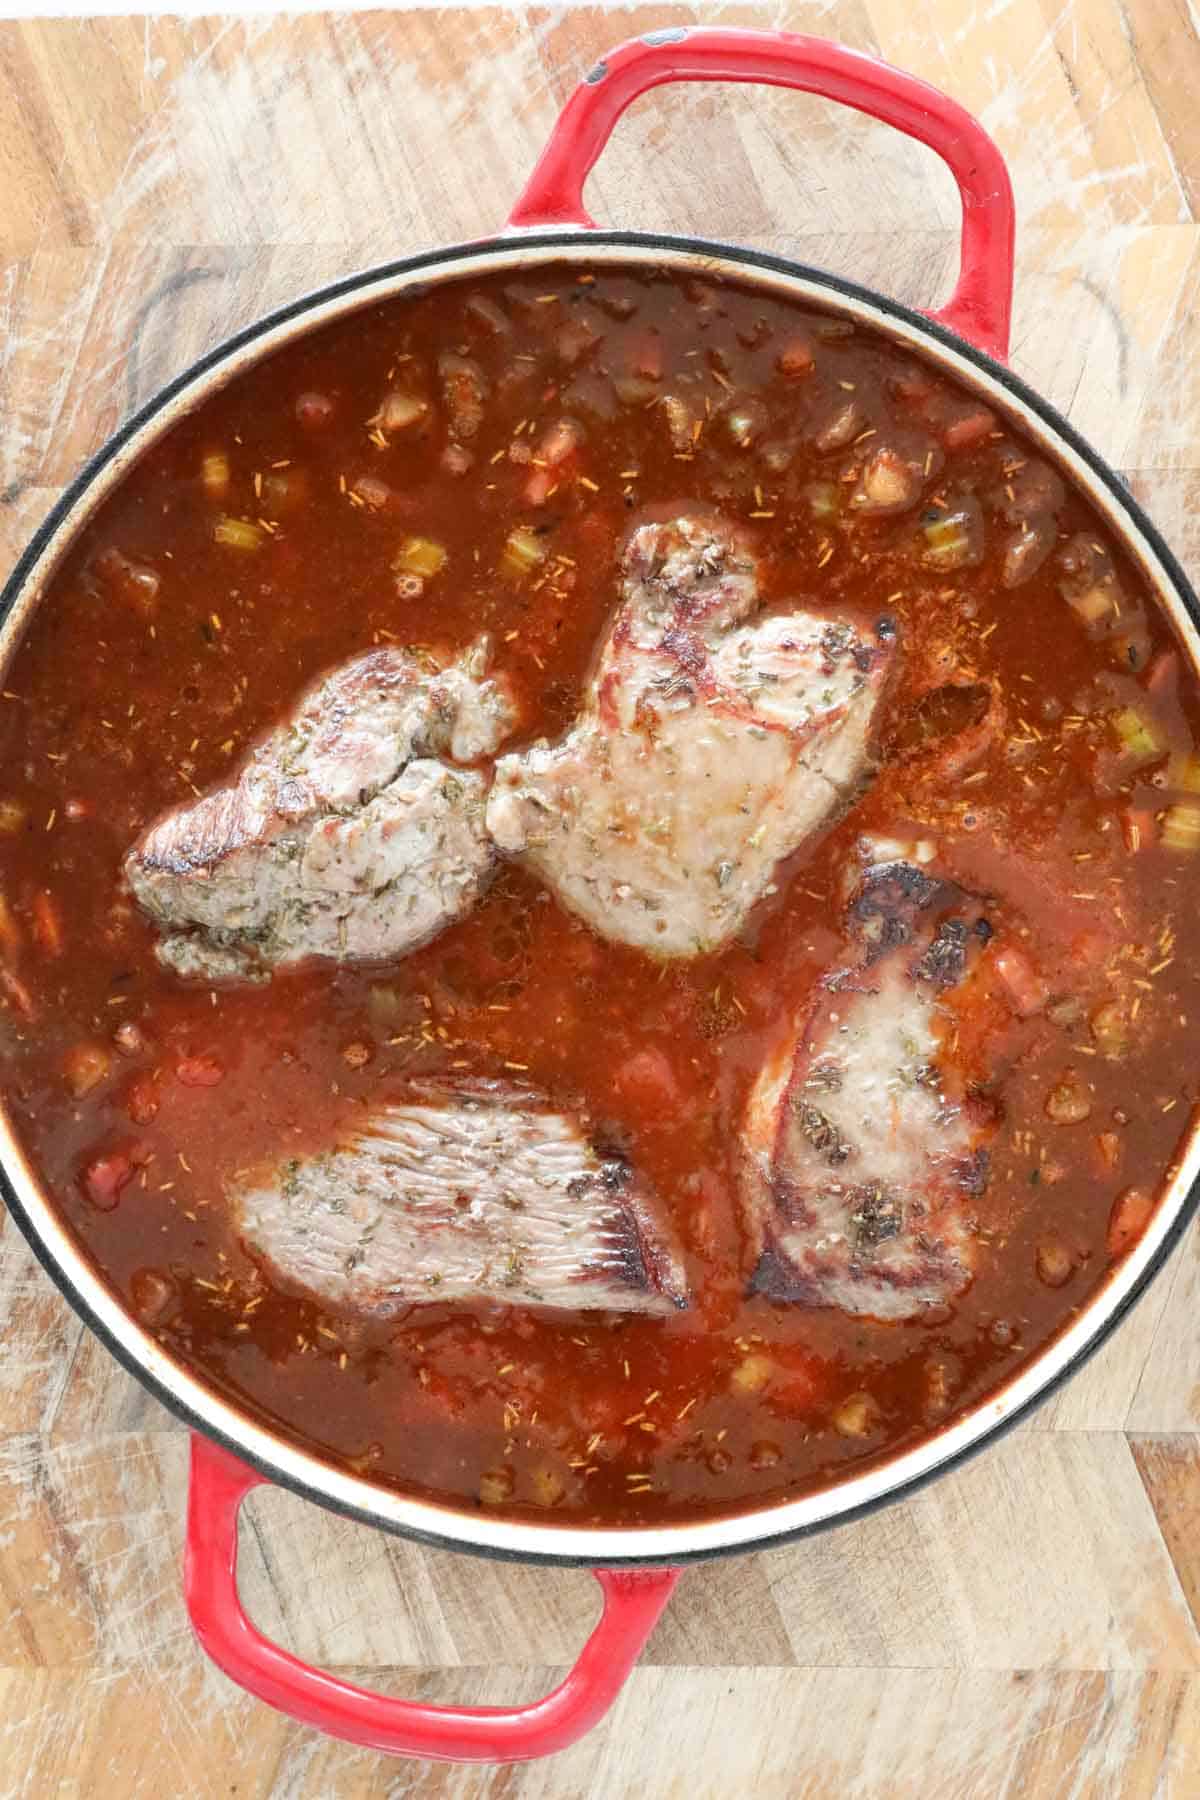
980	307
633	1600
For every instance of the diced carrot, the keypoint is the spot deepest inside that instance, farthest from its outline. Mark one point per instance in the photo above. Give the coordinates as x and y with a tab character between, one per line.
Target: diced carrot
1160	676
796	357
914	388
199	1071
1108	1149
47	923
104	1178
128	580
972	428
85	1066
16	993
1128	1219
803	1382
541	484
142	1100
646	358
573	339
372	491
1137	828
10	931
647	1081
314	411
1026	991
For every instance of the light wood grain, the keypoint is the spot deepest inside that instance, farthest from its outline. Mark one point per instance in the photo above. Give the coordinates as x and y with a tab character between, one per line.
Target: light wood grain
1029	1625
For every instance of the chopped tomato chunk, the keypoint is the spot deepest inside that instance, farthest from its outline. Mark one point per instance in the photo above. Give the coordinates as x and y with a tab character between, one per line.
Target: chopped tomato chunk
200	1071
648	1082
104	1178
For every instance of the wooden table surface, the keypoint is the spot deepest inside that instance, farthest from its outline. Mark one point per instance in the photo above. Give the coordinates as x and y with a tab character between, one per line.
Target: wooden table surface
1028	1626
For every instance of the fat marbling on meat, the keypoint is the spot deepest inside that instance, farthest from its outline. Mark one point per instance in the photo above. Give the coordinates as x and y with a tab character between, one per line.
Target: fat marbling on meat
711	744
465	1191
349	832
865	1135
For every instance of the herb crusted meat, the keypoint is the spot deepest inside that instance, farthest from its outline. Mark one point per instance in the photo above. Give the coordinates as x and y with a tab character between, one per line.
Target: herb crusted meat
468	1191
711	744
350	832
865	1140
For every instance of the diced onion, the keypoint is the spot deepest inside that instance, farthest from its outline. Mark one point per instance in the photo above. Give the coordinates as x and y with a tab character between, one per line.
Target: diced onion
1184	772
635	390
680	422
238	534
1110	1028
752	1374
419	556
1181	826
399	411
746	421
1092	606
214	471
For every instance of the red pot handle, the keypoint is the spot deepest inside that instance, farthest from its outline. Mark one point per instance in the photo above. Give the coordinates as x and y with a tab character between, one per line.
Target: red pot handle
633	1600
981	305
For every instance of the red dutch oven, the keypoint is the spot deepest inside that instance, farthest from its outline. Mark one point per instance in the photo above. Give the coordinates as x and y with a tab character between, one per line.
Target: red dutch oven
636	1567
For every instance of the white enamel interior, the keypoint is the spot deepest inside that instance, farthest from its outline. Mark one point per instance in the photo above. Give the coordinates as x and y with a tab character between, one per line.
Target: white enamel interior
481	1531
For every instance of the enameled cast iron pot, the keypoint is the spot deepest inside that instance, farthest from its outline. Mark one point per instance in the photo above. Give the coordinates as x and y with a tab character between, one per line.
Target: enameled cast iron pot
231	1453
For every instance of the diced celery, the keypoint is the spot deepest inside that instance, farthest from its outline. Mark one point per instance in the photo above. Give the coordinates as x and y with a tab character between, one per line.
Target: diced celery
419	556
1181	826
822	497
1184	772
214	472
238	534
523	552
946	542
1137	734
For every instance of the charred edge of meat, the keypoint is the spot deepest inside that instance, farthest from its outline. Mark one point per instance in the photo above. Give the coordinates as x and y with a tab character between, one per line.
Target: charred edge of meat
877	1216
945	960
776	1277
633	1256
820	1131
686	650
612	1177
973	1172
887	903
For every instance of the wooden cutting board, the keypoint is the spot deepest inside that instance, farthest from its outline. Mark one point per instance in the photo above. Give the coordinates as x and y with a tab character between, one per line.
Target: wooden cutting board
1027	1626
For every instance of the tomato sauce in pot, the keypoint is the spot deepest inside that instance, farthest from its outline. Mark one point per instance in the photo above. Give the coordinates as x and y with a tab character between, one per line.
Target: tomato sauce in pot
1039	740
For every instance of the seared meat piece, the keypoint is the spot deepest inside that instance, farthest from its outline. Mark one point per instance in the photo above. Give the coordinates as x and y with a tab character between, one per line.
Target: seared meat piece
707	748
345	834
865	1144
471	1191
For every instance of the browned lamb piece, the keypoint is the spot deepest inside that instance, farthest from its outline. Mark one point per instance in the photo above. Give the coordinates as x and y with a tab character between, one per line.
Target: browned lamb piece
348	833
711	744
865	1142
465	1191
